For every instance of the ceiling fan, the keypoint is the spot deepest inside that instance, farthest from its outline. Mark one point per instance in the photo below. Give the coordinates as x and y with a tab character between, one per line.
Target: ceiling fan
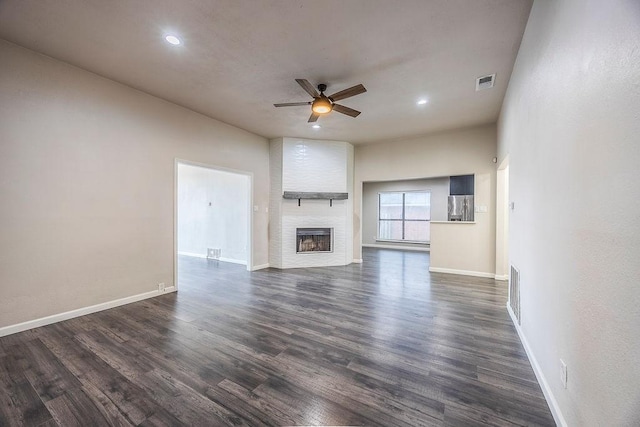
323	104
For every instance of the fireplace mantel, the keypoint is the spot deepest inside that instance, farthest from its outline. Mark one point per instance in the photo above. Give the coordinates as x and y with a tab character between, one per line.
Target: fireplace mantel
313	195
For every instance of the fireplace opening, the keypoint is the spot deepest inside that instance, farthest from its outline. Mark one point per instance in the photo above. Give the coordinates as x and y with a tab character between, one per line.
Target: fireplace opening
313	240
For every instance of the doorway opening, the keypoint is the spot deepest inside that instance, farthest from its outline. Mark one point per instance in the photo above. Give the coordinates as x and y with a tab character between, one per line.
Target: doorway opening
398	214
213	214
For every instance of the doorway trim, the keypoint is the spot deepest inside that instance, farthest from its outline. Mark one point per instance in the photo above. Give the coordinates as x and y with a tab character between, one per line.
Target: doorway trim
502	220
248	174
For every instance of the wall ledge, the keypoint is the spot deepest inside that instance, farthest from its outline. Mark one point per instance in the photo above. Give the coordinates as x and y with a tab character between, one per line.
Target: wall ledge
544	385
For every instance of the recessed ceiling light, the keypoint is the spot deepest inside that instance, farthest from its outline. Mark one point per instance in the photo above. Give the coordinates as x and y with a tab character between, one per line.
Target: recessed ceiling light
316	126
422	102
171	39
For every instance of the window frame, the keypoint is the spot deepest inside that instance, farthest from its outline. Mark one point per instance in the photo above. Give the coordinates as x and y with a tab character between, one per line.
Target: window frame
403	220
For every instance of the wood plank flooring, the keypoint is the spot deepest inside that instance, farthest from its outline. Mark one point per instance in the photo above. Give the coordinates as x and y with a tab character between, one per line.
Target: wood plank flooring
380	343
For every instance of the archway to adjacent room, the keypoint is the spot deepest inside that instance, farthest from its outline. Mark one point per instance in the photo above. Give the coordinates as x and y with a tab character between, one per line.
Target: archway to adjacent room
213	214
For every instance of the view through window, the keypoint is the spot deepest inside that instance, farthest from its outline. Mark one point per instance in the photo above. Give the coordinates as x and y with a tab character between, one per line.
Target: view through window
404	216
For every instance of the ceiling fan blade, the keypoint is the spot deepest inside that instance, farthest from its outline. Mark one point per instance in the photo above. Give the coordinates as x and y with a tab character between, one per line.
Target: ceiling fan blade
308	87
313	118
346	110
292	104
347	93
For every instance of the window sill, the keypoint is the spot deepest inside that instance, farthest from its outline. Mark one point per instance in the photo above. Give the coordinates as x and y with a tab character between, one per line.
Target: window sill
453	222
412	242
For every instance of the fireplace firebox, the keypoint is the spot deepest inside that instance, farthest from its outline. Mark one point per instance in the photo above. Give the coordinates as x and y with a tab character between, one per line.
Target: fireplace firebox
313	240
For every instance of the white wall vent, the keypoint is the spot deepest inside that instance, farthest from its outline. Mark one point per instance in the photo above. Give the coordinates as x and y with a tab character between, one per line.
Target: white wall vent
485	82
514	292
213	253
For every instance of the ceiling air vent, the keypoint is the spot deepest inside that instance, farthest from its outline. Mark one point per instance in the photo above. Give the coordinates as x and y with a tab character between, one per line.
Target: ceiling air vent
485	82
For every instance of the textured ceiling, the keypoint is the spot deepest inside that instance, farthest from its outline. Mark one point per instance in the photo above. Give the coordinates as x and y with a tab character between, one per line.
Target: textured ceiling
239	57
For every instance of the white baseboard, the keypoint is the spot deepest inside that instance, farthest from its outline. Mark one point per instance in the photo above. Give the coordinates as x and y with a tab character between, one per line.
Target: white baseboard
357	261
401	247
231	260
462	272
501	277
546	390
43	321
259	267
192	254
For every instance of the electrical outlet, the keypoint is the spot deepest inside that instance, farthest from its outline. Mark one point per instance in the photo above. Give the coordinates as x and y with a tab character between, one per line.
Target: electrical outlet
563	373
160	287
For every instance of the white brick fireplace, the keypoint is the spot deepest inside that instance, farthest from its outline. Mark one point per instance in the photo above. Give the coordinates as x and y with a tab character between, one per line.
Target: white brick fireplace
310	166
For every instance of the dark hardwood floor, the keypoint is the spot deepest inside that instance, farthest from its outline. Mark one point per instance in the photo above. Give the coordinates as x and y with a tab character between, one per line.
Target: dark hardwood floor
380	343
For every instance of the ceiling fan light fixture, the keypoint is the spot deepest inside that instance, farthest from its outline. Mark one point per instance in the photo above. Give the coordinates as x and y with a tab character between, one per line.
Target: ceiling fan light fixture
321	106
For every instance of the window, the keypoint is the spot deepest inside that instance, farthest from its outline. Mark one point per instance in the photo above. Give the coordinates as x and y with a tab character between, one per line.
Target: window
404	216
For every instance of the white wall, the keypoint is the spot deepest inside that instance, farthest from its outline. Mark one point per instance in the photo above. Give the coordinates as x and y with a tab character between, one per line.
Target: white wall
459	152
570	124
502	221
275	202
439	188
213	212
315	166
87	185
